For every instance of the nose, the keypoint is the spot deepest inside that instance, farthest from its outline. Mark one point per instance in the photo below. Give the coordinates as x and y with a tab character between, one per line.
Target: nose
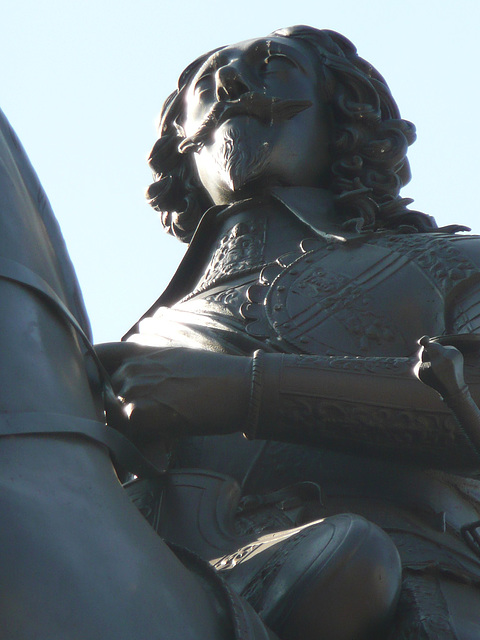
230	83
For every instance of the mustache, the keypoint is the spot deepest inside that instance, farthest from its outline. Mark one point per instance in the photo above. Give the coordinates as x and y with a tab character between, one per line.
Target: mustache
256	105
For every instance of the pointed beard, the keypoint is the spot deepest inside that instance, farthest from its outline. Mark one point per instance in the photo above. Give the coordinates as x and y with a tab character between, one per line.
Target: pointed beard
239	161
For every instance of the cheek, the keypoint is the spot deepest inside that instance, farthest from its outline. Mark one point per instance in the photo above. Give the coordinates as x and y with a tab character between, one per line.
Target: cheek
204	166
193	115
190	124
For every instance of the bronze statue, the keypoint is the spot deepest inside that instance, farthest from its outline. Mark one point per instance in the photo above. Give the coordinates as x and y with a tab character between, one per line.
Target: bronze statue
293	319
295	316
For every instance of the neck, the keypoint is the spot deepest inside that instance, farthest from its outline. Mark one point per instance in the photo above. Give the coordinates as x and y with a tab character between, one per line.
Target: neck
259	228
248	235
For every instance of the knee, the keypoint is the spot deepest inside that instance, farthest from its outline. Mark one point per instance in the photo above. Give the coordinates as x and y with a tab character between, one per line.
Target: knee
348	588
364	580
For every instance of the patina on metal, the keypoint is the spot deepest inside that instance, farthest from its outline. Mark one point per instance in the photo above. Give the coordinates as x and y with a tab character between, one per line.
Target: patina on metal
308	484
302	252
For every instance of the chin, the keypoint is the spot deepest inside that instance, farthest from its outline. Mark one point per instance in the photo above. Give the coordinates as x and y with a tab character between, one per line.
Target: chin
239	156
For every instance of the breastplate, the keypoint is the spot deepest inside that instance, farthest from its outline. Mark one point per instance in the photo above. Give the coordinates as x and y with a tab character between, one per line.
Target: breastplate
375	295
237	253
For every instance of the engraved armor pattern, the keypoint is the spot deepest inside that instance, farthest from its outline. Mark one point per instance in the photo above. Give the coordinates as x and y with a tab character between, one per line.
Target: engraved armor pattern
359	365
352	308
465	315
223	304
238	252
230	299
408	432
437	256
353	294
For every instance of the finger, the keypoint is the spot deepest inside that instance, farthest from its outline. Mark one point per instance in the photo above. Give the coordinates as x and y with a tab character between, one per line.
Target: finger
424	341
113	354
129	376
434	351
439	354
152	420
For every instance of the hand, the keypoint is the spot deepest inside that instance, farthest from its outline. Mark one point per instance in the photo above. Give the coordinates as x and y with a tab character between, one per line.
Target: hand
173	392
440	367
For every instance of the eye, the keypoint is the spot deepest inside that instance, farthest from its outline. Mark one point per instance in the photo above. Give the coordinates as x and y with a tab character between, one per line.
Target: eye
277	63
203	84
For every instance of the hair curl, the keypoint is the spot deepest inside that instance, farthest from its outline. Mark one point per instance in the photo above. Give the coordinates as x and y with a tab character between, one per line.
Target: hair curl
368	145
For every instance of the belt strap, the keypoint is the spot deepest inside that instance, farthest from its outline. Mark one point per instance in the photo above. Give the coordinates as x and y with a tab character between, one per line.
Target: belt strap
45	423
42	423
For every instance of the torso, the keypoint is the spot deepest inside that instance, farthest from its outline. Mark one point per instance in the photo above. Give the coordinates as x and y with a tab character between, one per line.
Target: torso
374	294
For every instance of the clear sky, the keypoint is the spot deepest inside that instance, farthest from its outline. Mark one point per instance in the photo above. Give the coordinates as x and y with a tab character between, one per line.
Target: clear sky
83	81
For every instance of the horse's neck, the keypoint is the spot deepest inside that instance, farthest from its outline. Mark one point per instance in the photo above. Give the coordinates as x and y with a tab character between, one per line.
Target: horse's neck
44	369
30	234
53	466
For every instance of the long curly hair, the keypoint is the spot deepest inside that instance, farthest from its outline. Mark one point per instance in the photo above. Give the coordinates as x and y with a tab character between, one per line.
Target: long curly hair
368	144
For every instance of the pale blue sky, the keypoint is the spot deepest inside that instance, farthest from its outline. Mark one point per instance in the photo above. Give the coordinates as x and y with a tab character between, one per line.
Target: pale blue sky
82	83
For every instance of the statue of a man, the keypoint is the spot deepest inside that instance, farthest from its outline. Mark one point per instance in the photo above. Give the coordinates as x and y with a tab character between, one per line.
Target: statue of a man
295	315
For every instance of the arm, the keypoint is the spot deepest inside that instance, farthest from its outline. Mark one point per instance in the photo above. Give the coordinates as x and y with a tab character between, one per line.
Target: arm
371	405
377	405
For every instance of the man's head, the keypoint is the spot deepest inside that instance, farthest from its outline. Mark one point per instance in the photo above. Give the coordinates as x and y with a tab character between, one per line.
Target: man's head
254	118
298	108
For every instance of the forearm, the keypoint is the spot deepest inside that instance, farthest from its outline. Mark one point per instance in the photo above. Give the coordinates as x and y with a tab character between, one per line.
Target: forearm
373	405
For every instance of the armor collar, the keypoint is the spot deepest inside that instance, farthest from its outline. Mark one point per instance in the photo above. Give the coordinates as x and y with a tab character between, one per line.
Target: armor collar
307	204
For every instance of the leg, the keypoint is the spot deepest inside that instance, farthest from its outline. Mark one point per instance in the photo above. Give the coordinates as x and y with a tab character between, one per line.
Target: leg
338	579
335	579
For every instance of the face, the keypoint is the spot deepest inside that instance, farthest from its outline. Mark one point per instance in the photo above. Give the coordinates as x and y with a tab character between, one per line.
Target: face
249	150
